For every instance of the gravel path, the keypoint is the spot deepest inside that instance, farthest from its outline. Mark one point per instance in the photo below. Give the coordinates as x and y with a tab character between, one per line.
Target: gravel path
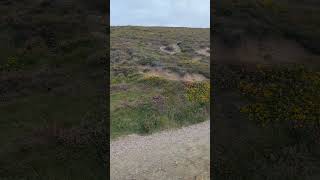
169	155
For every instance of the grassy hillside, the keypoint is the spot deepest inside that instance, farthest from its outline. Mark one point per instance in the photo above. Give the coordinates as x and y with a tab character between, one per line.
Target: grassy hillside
266	110
271	116
159	78
296	20
52	90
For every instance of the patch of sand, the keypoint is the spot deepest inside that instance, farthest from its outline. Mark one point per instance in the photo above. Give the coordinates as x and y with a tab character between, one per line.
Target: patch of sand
204	52
167	74
196	59
174	48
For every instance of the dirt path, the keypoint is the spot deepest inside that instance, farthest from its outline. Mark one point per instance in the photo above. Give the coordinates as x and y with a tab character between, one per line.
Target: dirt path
171	155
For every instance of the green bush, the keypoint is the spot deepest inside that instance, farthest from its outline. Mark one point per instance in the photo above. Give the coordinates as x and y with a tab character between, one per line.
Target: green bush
284	96
149	124
12	64
198	92
155	81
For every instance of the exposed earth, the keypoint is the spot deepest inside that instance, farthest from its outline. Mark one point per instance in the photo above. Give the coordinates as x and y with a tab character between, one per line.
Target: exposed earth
174	154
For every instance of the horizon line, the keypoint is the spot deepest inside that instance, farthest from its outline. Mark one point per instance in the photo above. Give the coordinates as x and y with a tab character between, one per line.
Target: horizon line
159	26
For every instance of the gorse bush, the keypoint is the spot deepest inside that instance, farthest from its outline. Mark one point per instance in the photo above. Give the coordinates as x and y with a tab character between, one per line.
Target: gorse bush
12	64
198	92
287	96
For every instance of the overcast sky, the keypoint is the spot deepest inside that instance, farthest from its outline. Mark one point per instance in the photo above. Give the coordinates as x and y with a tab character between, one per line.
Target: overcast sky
177	13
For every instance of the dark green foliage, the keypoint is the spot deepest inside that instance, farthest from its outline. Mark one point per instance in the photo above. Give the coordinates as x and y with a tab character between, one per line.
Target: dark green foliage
273	145
285	96
295	20
51	90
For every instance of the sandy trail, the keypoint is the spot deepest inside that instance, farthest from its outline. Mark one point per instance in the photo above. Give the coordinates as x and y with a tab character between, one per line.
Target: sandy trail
169	155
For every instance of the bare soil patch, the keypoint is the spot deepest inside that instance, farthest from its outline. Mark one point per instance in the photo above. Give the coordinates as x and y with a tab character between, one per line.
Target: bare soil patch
204	52
167	74
171	49
175	154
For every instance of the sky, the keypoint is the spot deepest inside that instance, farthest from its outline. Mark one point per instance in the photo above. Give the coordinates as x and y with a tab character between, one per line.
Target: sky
173	13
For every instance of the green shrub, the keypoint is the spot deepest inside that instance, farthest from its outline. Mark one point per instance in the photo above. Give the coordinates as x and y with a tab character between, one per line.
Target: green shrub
198	92
150	123
288	96
12	64
122	78
155	81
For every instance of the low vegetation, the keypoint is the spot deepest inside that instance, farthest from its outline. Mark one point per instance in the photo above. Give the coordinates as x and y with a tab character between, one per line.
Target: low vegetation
266	116
271	114
284	95
144	97
51	90
297	20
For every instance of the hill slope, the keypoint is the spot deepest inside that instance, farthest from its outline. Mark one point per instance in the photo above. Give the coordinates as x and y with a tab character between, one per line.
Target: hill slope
266	79
52	107
154	71
266	31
